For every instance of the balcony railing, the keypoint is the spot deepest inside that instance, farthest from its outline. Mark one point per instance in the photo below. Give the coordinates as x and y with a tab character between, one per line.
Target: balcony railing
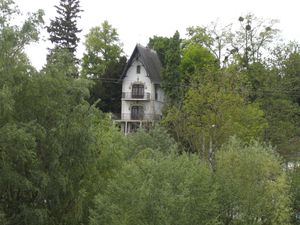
139	116
132	96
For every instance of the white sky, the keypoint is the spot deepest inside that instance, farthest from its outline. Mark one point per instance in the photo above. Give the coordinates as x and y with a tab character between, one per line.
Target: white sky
137	20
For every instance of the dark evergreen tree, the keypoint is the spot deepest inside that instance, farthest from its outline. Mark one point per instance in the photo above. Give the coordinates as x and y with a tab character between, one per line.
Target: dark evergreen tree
63	33
63	29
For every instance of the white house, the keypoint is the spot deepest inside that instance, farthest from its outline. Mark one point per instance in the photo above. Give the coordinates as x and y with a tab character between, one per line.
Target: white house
142	96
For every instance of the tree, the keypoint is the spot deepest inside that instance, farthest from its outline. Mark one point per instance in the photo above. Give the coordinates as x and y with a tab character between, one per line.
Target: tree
213	109
157	138
295	192
102	44
51	138
63	32
216	39
195	60
291	76
19	186
260	69
103	63
15	38
252	185
61	61
276	92
156	189
63	29
243	46
50	148
254	36
169	52
283	119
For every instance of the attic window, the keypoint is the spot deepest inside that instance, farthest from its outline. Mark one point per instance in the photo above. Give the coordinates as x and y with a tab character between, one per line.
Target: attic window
138	69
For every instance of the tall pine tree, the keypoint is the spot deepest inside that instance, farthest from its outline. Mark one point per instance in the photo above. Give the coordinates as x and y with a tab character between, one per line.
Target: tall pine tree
63	29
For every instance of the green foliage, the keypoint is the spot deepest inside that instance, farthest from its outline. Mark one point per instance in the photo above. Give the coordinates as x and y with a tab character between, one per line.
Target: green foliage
291	76
295	192
61	61
152	189
103	63
283	119
254	36
6	105
101	42
197	59
216	39
169	52
212	111
252	185
3	221
243	46
275	88
13	39
251	82
160	45
21	178
56	150
156	138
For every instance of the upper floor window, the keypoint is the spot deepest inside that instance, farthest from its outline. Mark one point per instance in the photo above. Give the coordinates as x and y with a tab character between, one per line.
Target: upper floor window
138	69
137	91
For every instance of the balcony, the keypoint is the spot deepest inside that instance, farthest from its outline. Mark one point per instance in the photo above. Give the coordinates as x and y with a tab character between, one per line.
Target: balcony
138	117
133	96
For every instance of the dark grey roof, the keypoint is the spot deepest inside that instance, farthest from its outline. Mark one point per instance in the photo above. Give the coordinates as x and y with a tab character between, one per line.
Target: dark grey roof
149	59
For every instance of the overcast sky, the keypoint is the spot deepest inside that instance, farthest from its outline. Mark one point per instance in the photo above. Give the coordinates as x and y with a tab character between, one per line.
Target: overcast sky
137	20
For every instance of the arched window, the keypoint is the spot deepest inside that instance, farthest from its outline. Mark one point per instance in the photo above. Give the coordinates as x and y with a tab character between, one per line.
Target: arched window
137	91
138	69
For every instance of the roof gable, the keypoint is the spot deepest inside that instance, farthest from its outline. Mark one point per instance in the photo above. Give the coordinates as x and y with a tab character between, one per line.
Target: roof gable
149	59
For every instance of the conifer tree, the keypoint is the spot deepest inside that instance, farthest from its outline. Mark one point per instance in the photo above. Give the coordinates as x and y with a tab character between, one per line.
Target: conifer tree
63	29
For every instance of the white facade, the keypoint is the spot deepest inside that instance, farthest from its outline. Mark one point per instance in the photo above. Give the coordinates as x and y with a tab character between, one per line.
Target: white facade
142	98
150	105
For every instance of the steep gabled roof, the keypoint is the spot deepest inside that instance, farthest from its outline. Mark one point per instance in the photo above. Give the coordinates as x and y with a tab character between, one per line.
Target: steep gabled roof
149	59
